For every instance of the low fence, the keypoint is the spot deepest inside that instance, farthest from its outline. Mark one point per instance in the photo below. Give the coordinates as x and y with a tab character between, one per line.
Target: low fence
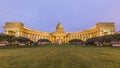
2	44
116	44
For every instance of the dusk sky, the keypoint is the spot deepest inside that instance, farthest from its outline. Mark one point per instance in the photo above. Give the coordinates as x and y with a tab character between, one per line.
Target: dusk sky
75	15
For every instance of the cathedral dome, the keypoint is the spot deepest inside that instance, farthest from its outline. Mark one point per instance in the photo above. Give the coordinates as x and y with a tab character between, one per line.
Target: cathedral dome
59	26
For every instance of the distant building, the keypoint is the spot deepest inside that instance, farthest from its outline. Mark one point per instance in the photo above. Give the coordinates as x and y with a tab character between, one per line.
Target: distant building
117	32
18	29
1	33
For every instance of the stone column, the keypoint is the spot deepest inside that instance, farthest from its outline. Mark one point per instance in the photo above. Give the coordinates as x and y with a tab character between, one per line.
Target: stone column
17	33
6	31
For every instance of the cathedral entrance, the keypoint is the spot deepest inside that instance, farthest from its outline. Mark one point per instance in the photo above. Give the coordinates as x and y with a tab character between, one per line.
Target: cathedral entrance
59	35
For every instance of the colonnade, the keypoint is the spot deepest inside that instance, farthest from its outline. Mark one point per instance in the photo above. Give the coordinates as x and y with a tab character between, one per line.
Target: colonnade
18	29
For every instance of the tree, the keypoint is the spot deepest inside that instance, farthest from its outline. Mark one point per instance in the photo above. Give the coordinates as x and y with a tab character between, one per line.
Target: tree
23	40
105	40
43	41
9	38
116	38
76	41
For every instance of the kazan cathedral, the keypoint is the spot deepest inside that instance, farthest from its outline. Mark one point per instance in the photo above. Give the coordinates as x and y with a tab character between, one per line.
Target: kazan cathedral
18	29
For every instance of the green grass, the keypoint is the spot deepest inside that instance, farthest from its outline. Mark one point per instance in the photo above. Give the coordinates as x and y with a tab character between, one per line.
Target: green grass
60	56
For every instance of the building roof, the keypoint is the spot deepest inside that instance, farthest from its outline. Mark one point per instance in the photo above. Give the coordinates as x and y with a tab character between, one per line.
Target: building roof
59	26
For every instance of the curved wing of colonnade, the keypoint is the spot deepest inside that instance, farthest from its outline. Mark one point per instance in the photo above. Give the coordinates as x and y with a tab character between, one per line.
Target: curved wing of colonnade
18	29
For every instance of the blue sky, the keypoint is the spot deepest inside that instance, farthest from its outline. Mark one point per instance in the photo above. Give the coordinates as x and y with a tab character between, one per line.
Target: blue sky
75	15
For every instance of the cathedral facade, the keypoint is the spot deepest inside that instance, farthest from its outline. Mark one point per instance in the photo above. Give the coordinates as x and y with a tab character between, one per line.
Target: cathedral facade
18	29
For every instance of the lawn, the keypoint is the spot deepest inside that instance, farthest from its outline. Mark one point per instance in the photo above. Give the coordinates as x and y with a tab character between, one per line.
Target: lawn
60	56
